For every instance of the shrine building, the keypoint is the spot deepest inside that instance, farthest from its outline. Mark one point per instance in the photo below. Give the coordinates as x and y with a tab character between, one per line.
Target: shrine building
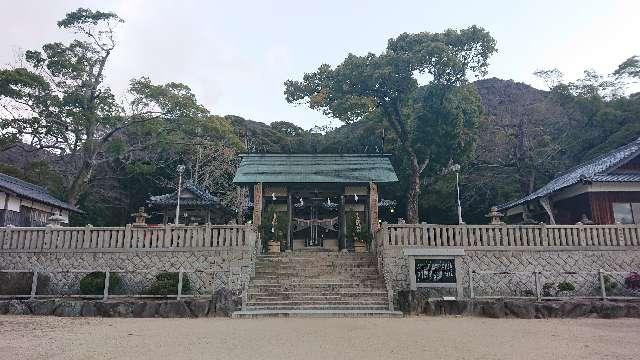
316	196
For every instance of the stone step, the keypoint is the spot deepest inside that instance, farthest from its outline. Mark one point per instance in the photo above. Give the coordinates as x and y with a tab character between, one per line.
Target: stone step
297	303
317	300
316	261
316	255
307	277
317	295
316	281
288	285
317	307
315	258
337	266
247	314
254	288
291	268
320	291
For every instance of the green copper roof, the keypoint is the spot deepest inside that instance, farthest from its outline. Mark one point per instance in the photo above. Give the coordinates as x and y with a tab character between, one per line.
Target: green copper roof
314	168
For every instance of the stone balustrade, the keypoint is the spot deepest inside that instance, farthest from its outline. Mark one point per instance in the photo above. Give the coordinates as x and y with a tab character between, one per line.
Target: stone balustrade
128	238
508	236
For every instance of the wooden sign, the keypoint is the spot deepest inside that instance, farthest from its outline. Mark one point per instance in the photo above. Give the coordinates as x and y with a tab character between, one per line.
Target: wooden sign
435	271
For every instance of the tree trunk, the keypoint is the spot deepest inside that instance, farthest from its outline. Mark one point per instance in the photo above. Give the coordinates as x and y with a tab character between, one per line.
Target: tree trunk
78	185
414	192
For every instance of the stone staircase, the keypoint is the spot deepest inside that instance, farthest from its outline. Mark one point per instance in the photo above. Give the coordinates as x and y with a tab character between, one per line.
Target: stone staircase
315	283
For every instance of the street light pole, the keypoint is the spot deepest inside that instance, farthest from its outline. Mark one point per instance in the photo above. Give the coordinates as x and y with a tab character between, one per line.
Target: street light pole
456	168
180	171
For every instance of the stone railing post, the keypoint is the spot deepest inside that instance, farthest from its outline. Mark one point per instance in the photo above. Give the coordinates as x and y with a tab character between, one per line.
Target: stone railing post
86	236
471	294
207	235
127	236
34	284
180	277
46	241
544	234
603	290
621	237
536	277
581	234
105	294
167	236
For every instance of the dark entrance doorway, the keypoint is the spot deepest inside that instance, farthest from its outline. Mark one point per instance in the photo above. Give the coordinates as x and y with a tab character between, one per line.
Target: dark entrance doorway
315	219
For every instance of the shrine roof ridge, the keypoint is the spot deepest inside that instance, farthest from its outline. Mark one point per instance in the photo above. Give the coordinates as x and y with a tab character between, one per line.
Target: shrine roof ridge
314	168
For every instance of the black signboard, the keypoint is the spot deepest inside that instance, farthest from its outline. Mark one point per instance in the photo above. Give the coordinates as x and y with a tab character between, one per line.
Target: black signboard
440	271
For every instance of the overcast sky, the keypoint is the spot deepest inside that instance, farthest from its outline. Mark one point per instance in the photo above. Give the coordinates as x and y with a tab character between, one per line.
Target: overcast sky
235	55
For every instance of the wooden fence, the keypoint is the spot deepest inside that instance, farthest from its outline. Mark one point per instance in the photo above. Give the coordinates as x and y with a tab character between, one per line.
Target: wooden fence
477	236
127	238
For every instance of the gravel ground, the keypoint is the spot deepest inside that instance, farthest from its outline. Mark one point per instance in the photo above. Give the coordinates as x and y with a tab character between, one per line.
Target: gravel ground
26	337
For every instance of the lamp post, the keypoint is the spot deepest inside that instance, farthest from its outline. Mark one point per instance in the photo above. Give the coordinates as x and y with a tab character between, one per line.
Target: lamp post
180	171
456	168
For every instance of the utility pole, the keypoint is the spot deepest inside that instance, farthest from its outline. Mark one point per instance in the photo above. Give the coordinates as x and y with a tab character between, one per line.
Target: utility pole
456	168
180	171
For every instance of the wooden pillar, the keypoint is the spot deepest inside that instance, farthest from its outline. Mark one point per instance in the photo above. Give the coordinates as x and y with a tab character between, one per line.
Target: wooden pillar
373	207
257	204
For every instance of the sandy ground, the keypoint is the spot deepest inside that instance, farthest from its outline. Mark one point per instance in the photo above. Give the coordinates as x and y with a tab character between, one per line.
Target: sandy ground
23	337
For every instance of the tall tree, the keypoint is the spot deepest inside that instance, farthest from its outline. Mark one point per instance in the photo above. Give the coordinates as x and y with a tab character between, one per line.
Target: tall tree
58	101
386	85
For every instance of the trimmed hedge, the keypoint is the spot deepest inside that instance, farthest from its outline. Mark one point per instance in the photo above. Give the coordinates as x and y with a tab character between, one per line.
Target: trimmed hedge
93	283
166	283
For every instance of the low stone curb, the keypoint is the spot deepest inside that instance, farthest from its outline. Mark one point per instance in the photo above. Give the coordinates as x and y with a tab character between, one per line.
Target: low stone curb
415	304
137	308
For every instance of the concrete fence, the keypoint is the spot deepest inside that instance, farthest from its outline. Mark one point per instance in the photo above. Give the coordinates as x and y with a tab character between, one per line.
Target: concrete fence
512	260
131	284
479	236
89	238
213	256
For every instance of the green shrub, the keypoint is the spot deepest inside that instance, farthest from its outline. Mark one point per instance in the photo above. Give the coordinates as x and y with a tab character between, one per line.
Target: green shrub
566	286
547	288
93	283
609	283
166	283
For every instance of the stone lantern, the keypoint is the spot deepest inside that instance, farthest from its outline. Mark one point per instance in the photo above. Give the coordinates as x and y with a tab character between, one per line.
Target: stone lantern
140	217
495	216
55	220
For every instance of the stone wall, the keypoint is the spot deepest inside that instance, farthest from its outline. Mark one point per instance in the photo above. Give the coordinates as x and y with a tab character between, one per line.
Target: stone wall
516	260
554	265
207	270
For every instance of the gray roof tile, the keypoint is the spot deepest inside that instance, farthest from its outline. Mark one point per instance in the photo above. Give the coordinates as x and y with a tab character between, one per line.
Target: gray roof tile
203	197
33	192
595	170
315	168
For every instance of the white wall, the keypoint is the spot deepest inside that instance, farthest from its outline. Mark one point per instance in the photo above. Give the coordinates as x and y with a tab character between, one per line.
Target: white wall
14	204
